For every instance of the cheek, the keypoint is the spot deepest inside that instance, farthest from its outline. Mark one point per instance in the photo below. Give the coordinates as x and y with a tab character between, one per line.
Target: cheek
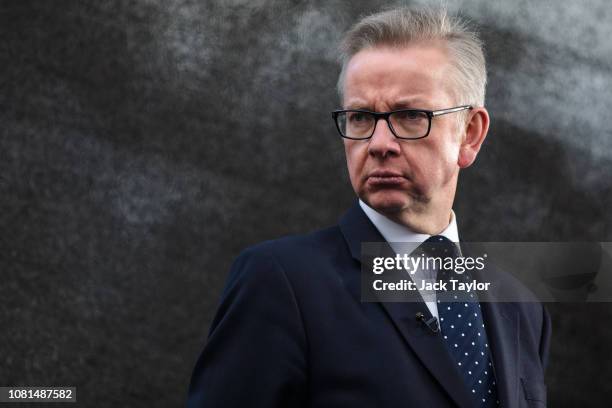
447	162
449	154
433	164
354	158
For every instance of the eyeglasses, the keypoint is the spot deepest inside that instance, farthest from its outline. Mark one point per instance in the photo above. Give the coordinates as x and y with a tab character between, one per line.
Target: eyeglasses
359	124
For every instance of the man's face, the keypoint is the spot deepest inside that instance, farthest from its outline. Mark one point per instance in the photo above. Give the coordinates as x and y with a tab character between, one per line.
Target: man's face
403	178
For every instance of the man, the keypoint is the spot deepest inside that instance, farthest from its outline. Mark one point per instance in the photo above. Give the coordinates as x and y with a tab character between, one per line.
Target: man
291	329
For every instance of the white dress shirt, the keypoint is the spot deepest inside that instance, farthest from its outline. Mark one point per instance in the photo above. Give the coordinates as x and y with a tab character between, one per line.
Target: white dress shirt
396	234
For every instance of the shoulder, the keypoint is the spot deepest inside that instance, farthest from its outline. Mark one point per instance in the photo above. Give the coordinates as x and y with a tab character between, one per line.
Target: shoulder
289	249
288	255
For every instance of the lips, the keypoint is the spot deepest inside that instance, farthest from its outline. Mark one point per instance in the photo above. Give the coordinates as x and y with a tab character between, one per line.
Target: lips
385	178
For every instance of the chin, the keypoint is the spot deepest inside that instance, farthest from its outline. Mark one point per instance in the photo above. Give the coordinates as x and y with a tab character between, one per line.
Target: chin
387	202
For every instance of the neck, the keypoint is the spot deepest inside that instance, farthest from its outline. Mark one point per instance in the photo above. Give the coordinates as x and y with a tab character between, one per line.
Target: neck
431	217
423	223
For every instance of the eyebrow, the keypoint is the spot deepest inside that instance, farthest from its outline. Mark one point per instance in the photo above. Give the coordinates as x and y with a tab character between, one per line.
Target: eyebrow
415	103
357	105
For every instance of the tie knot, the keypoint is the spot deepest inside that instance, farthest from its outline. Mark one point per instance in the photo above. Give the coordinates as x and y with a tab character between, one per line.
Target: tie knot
440	246
437	239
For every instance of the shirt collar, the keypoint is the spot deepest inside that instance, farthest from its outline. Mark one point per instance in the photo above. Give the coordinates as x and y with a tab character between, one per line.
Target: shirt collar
394	232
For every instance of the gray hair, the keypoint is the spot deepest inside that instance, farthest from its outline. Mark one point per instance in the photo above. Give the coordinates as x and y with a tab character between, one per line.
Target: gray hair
402	26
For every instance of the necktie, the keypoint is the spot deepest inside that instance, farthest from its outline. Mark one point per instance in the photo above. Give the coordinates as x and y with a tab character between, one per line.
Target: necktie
463	329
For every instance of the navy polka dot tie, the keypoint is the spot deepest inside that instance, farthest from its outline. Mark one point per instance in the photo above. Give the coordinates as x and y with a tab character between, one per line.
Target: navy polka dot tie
463	329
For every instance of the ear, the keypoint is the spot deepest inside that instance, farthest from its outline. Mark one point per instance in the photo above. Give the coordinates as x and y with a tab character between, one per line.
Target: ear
476	130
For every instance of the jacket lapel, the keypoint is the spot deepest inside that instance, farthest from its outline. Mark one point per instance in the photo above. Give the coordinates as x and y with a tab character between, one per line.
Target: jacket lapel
502	326
503	333
430	349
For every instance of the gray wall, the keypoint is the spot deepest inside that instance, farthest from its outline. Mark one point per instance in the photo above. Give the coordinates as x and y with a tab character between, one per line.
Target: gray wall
145	143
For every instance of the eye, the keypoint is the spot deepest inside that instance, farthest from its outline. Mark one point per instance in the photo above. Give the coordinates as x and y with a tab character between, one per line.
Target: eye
409	115
356	117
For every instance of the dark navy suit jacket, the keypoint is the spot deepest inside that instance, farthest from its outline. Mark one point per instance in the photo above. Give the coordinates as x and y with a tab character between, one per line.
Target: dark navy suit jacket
291	331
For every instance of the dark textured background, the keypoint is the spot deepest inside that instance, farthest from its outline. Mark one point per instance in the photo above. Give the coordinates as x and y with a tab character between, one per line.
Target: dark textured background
146	142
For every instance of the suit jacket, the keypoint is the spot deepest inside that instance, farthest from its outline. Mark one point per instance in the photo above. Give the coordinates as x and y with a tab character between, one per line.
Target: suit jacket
291	331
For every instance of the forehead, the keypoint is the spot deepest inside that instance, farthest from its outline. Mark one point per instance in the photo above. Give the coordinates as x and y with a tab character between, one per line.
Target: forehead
417	72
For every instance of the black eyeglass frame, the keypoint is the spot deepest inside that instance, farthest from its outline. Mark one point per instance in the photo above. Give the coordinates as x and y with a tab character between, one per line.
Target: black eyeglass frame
385	115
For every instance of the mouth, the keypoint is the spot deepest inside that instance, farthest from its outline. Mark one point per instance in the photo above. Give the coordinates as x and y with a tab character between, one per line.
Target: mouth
379	178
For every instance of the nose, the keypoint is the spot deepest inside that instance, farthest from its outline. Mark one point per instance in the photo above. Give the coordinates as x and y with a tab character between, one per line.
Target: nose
383	143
